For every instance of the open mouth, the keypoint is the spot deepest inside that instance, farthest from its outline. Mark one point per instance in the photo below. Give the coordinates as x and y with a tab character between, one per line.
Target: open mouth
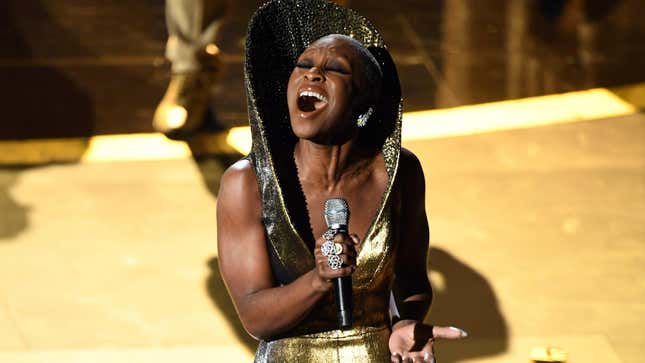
309	101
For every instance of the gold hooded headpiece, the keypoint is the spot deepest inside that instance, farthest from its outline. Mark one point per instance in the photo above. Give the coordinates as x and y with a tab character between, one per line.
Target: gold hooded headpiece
277	34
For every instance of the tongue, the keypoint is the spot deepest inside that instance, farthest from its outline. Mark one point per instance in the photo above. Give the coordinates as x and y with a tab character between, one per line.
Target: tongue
318	103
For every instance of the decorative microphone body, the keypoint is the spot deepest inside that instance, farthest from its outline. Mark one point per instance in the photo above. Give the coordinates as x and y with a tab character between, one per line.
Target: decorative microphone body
337	219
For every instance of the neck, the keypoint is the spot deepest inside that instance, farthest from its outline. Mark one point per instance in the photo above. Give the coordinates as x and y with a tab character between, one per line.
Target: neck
326	164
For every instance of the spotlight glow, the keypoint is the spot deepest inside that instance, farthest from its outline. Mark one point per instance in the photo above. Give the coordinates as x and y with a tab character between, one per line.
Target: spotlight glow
177	116
240	139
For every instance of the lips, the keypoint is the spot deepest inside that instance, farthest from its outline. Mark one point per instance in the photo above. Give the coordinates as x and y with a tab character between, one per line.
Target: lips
310	101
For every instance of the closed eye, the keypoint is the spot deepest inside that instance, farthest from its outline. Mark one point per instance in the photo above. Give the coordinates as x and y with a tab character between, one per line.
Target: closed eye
336	67
304	65
337	70
331	68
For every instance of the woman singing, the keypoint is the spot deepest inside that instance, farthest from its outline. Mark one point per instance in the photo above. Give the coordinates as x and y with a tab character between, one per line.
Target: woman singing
325	115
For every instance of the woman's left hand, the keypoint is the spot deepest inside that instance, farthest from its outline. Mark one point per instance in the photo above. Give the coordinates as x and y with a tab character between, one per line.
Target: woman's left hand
412	341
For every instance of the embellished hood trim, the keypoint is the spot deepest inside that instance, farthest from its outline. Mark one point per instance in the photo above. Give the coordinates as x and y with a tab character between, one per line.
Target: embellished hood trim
277	34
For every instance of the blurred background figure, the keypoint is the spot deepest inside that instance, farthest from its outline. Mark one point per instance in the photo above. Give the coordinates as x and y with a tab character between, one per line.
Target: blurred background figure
195	63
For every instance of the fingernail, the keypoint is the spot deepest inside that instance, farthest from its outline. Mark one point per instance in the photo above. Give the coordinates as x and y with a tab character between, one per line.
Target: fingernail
462	333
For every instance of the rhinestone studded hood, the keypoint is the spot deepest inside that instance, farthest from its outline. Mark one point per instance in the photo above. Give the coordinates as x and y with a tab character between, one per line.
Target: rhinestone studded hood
277	34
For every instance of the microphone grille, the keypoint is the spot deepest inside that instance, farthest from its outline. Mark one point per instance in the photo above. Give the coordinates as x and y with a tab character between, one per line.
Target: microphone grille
336	212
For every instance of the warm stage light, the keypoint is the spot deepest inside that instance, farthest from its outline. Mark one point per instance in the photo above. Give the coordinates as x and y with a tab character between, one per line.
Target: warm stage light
495	116
212	49
176	116
134	147
549	354
529	112
514	114
240	139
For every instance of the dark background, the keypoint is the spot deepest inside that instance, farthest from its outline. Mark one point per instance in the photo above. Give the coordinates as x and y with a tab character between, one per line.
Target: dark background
86	67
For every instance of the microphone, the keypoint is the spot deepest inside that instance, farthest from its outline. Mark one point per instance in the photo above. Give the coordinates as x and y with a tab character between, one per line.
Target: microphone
337	219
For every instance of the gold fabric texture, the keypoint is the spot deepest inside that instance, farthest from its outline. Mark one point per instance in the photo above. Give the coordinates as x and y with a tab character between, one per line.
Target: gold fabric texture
277	34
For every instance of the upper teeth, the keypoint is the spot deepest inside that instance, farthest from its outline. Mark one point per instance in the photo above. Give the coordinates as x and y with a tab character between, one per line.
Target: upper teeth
314	94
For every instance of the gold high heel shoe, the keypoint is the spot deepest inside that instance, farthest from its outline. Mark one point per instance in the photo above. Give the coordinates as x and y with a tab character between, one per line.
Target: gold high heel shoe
182	109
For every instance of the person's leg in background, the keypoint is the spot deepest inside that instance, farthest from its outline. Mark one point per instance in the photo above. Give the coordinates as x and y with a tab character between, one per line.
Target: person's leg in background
194	57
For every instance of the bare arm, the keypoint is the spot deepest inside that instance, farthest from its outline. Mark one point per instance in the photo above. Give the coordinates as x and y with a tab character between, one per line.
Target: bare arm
411	339
264	309
412	291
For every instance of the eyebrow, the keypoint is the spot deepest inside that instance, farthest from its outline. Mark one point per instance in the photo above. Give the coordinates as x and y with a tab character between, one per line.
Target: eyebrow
333	49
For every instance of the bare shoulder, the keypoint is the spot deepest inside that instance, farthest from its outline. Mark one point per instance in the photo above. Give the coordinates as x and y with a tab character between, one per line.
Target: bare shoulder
238	190
410	169
241	171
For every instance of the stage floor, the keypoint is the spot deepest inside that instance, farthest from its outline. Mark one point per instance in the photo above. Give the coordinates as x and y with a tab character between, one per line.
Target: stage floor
538	238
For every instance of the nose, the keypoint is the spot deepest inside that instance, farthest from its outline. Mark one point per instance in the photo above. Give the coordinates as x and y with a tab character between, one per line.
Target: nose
313	74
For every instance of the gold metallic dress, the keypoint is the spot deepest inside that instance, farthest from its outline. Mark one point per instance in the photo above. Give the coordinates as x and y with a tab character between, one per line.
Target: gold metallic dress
277	34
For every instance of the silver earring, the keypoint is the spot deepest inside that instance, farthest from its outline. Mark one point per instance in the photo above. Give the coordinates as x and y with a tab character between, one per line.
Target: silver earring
362	118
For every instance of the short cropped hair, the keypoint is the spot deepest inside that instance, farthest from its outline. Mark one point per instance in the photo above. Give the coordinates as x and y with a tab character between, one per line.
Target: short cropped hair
373	71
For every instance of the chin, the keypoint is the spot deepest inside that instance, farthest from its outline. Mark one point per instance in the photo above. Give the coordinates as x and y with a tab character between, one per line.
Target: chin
316	129
305	127
304	132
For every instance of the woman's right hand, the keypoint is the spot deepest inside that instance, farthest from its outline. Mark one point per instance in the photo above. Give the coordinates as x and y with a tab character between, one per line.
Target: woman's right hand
323	274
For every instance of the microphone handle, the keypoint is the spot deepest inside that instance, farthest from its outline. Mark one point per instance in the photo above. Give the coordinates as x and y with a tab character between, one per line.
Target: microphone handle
343	292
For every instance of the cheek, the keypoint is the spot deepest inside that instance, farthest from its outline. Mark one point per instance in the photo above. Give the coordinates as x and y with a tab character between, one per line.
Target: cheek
292	78
344	96
291	87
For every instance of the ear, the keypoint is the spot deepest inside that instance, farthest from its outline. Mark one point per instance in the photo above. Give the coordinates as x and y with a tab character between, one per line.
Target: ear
366	98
